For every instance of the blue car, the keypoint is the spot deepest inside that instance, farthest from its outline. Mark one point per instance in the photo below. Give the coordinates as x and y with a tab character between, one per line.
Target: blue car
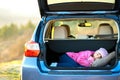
73	26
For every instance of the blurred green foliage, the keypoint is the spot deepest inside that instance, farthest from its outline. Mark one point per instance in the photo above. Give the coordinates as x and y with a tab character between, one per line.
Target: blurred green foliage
11	30
12	40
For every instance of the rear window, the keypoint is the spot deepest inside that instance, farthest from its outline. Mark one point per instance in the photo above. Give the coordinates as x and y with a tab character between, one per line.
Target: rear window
67	5
64	1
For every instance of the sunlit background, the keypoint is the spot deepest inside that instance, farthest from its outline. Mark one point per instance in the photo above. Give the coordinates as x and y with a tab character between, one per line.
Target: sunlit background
18	11
18	18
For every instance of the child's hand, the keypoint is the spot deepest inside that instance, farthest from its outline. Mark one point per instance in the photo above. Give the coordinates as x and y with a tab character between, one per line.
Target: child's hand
91	59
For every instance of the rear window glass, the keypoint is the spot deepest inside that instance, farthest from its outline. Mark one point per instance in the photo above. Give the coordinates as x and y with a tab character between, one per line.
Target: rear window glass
64	1
63	5
82	29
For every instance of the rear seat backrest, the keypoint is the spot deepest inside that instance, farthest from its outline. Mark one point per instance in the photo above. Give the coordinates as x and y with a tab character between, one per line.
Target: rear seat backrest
61	32
105	29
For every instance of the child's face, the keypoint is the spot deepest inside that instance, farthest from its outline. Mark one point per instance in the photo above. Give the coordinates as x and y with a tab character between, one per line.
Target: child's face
97	55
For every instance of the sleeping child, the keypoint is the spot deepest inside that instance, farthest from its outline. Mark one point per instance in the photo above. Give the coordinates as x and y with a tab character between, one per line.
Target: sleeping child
82	58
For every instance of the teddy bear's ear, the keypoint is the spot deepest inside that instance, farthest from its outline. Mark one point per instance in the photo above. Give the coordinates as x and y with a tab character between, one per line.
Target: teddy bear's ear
103	61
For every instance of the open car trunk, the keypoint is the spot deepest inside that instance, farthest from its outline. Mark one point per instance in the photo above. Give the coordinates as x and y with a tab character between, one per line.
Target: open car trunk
57	46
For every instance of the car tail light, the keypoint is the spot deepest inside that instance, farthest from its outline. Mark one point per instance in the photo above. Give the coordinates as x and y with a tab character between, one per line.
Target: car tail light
32	49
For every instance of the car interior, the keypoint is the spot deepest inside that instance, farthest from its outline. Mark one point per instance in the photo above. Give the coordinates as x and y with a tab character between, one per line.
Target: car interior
74	35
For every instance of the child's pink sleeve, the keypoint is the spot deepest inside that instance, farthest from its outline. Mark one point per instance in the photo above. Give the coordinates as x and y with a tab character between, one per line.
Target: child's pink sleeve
84	62
85	59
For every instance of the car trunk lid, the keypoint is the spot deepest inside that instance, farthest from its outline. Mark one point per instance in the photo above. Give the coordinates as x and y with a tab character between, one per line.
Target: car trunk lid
50	7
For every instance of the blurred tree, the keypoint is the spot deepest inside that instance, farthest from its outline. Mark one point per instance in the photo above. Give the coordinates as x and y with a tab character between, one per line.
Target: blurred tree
11	30
8	31
26	27
30	25
13	39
